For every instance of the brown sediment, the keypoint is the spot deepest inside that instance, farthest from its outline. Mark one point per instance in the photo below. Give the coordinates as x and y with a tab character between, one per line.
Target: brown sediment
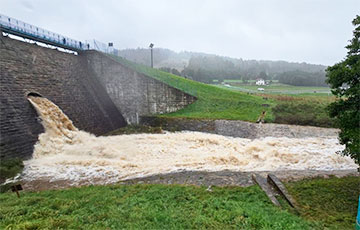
64	153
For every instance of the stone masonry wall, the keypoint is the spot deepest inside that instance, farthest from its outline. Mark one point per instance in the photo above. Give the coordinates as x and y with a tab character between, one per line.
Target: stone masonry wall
133	93
66	79
238	128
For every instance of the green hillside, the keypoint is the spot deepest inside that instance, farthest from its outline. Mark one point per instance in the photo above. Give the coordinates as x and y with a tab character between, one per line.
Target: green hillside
216	102
213	102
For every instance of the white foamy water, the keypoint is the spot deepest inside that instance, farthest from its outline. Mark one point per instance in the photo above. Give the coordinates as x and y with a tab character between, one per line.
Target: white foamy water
65	153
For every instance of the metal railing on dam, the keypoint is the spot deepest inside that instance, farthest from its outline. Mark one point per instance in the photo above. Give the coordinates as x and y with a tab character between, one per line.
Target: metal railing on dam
22	29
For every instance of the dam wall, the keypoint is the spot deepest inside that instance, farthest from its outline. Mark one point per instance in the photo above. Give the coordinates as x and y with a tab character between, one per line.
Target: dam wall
98	93
66	79
134	93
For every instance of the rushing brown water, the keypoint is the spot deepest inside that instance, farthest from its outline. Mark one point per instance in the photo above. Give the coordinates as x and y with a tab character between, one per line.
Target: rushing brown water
65	153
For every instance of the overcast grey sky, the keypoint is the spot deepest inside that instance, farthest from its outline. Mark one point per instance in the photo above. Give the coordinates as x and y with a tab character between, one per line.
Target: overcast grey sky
313	31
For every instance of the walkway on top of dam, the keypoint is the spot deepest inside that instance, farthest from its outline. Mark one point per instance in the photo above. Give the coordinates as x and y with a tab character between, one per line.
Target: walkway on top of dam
24	30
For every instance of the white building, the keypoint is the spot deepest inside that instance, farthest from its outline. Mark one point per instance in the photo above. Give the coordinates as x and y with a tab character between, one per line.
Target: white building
260	82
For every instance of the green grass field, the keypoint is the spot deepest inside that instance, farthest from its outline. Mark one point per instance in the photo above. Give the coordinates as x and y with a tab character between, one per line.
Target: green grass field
221	102
213	102
333	202
280	89
324	203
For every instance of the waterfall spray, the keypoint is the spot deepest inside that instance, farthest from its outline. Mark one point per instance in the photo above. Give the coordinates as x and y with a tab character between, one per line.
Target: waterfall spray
65	153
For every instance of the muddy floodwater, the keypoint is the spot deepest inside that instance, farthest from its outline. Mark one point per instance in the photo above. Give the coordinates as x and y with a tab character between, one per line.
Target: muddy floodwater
65	153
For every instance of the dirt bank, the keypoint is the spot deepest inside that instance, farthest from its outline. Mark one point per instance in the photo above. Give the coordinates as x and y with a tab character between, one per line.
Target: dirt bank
199	178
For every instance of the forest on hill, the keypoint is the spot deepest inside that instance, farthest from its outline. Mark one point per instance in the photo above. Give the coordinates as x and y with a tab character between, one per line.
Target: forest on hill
209	67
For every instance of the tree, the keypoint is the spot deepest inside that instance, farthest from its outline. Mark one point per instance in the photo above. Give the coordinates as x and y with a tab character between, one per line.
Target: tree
344	78
245	79
175	71
263	75
302	78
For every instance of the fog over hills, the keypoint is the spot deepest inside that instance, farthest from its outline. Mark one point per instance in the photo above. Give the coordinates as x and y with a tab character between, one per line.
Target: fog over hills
208	67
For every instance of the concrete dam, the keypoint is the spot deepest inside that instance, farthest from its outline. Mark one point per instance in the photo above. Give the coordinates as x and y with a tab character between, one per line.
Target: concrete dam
52	104
98	94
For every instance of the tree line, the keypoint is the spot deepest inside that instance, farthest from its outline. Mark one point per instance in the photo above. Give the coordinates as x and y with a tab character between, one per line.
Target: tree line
207	67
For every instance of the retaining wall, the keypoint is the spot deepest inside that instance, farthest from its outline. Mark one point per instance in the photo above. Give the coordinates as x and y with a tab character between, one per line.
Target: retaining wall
239	128
134	93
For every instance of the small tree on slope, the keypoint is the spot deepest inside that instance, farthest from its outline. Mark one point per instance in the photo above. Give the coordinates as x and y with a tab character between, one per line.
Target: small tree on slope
344	78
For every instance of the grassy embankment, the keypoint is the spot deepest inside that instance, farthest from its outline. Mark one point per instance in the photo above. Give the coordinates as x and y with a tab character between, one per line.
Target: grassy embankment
298	105
213	102
324	203
221	103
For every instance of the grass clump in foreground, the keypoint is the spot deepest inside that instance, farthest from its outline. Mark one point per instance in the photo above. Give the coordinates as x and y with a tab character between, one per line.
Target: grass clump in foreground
146	207
332	202
212	102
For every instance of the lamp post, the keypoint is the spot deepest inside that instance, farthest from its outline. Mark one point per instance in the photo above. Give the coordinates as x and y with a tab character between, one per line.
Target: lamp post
151	50
111	47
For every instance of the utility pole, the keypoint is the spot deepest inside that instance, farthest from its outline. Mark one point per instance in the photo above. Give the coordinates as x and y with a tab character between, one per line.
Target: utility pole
151	50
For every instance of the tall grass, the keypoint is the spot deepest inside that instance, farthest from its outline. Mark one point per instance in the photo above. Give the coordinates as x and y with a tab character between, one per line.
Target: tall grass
332	202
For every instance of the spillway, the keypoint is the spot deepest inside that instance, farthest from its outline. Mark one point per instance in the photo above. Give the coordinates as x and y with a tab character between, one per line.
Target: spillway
65	153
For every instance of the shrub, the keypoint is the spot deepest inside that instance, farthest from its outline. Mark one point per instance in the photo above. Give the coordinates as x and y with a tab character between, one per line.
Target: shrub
8	169
302	113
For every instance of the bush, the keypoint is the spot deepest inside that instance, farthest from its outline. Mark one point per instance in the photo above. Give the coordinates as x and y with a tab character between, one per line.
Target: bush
302	113
8	169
